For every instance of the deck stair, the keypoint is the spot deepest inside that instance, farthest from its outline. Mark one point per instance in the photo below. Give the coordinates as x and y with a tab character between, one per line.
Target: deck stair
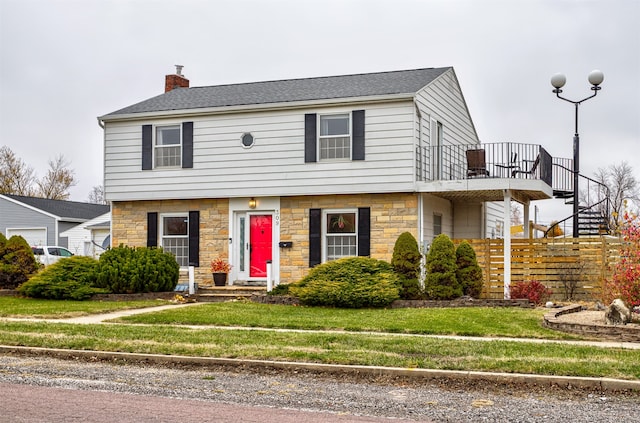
593	218
592	223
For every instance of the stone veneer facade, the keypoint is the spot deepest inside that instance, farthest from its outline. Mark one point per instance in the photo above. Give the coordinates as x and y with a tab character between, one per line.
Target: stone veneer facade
391	215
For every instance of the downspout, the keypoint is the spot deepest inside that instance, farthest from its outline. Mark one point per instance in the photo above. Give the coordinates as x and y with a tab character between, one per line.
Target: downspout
507	244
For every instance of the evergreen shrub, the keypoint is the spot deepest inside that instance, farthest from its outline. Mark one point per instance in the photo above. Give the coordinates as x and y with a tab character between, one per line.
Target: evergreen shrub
469	273
129	270
352	282
17	261
441	282
69	279
406	263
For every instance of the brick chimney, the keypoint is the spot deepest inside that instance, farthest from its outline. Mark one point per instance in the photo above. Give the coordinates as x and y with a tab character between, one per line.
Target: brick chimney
175	81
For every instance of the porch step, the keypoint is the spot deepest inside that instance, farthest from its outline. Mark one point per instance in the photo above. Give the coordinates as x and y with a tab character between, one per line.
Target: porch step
227	293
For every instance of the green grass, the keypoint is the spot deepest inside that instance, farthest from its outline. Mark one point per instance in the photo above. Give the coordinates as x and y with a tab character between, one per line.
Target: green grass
473	321
347	342
403	351
59	309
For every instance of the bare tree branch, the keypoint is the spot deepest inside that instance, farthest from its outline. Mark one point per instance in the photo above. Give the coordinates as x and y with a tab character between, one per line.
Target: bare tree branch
623	188
59	178
15	176
96	196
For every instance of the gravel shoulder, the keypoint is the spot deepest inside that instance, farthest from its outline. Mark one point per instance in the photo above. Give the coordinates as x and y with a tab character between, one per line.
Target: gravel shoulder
393	397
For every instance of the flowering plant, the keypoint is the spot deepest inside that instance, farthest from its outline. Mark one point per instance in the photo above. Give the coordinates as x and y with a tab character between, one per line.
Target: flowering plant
220	266
625	281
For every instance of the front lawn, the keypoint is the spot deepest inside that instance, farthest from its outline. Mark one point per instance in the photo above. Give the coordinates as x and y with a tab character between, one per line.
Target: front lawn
406	351
471	321
60	309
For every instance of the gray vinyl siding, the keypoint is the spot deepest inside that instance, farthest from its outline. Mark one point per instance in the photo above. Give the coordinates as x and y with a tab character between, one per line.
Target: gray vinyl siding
16	216
442	100
273	166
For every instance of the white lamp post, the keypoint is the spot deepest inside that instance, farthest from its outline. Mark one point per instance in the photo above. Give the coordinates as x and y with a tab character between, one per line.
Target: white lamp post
558	80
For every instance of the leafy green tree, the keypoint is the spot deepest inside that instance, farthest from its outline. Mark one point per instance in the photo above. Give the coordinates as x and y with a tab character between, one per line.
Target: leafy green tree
469	273
441	282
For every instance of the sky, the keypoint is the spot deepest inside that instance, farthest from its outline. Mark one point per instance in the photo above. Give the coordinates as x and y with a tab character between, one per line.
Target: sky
63	63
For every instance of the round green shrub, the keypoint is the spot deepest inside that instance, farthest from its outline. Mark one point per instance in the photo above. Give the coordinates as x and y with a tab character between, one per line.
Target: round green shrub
17	261
352	282
128	270
71	278
441	282
469	273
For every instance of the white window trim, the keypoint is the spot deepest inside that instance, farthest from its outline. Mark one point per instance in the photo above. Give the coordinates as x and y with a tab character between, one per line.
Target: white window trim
156	146
162	237
325	235
349	115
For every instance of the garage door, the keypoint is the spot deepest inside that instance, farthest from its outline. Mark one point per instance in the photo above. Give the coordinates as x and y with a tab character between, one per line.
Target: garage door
34	236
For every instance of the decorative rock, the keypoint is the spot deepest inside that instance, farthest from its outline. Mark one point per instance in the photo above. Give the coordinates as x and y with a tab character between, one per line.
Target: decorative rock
549	304
617	313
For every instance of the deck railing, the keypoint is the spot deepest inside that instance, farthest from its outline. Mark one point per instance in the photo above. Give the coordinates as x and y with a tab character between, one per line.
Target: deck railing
500	160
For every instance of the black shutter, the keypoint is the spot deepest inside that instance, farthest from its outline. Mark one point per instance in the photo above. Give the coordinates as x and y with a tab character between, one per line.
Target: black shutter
310	138
152	229
147	147
194	238
315	237
364	231
357	147
187	145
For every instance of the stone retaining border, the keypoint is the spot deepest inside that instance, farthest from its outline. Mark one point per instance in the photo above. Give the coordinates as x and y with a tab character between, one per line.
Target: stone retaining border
624	333
459	302
601	384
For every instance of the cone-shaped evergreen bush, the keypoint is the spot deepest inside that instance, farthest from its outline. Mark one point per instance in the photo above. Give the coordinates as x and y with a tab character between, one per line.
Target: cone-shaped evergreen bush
441	282
406	263
469	274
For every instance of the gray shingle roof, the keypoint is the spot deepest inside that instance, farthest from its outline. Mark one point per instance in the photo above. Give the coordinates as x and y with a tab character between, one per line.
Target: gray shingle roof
63	209
330	87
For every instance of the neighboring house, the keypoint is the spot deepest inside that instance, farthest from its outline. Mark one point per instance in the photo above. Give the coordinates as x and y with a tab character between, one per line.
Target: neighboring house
42	221
90	238
302	171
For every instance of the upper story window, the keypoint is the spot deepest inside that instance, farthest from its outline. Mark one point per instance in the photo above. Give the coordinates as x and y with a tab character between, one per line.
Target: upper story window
335	137
168	146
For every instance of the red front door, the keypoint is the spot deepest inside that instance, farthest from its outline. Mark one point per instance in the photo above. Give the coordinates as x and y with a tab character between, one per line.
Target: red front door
260	241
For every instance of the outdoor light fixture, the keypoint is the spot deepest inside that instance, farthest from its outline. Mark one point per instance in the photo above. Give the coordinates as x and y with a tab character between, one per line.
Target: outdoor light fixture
252	203
558	80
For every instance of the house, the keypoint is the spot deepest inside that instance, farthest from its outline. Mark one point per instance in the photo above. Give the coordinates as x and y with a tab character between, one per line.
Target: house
298	172
42	221
90	238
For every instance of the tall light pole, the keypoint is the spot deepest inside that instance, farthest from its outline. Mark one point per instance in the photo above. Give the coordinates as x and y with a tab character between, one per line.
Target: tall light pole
558	80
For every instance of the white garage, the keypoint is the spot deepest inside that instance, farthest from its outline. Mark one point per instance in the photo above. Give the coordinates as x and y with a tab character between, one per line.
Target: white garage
34	236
